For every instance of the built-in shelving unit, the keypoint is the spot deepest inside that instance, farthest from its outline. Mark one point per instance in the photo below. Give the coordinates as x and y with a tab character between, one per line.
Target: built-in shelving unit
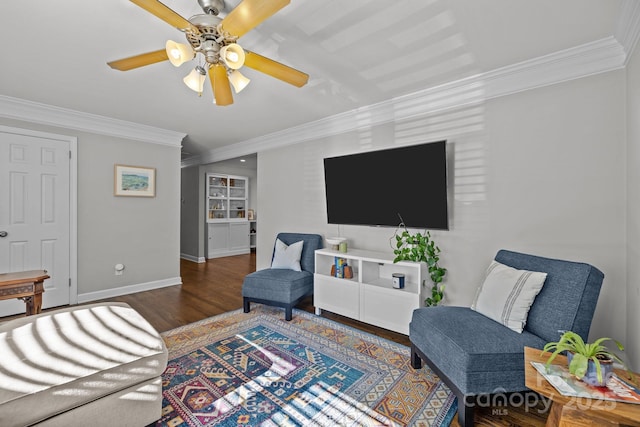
368	296
226	215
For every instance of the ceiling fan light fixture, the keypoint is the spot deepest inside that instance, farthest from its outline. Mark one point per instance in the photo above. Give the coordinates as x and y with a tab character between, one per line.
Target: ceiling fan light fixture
195	79
232	55
238	81
179	53
216	39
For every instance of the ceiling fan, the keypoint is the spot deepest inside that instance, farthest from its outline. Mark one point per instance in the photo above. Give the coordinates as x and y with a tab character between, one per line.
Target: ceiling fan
214	39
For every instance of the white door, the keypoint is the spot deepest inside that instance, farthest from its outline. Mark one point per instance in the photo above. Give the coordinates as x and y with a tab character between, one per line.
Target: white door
35	213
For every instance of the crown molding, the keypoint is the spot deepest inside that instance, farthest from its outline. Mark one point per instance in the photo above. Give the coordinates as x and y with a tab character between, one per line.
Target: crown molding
588	59
20	109
627	29
597	57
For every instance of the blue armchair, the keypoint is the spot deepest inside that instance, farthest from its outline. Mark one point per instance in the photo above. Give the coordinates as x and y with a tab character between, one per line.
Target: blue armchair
282	287
476	356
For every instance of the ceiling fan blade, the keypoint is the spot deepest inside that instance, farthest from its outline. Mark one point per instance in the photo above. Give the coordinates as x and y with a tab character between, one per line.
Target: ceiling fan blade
220	84
275	69
249	14
141	60
167	15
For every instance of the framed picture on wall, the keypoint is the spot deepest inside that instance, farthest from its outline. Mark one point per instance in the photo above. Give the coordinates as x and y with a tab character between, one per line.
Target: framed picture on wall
134	181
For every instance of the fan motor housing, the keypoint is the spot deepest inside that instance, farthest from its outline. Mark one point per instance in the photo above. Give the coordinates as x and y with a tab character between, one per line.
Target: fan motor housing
213	7
207	40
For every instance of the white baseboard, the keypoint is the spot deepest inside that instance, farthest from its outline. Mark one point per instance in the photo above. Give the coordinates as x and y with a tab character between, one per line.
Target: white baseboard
193	258
228	253
130	289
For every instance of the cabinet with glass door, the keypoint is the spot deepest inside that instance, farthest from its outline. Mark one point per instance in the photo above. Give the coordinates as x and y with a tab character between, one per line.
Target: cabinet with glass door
227	197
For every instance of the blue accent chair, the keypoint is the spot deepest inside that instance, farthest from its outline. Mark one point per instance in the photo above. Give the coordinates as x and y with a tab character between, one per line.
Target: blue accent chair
476	356
281	287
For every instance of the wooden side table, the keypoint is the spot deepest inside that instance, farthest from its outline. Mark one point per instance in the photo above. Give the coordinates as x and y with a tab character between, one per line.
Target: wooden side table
25	285
569	411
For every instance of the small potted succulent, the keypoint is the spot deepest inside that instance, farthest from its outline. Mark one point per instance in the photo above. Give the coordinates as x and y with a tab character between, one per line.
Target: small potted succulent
589	362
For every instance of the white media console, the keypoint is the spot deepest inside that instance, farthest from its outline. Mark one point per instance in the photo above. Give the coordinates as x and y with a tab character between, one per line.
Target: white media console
369	296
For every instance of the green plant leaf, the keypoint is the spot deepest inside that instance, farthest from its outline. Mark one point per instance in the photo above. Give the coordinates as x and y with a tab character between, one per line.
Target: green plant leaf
578	365
420	247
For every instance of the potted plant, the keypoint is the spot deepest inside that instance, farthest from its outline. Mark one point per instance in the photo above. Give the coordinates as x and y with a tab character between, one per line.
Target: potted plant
420	247
589	362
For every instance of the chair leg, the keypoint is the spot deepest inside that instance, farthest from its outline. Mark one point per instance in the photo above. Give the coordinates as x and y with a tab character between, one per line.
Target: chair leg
416	362
288	313
465	412
245	305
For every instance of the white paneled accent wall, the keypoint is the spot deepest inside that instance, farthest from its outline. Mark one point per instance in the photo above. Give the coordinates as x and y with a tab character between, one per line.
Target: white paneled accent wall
539	171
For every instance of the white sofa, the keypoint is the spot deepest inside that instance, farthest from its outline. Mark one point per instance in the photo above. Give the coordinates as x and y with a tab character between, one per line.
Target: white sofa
90	365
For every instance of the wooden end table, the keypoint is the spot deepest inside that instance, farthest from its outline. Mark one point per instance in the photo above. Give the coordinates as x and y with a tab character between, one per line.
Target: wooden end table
25	285
569	411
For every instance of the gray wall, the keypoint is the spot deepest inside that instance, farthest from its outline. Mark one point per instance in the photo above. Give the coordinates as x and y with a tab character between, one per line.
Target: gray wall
190	227
633	209
141	233
541	171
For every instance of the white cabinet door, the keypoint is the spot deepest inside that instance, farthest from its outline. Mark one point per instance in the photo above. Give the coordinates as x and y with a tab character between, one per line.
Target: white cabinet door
227	239
239	236
388	308
338	296
227	197
218	239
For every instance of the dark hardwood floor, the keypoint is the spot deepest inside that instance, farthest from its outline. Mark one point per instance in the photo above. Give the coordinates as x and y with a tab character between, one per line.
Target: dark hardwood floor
214	287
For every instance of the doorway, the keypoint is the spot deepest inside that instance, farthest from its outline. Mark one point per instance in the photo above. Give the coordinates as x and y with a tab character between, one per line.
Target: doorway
38	220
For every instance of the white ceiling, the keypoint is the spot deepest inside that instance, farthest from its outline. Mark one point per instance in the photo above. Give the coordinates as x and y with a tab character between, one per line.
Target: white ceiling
357	53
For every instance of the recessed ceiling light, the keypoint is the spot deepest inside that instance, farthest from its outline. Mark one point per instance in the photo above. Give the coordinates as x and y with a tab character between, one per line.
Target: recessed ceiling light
242	160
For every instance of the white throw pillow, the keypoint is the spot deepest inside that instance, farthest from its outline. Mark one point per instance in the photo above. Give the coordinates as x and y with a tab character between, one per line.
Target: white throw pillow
287	257
507	294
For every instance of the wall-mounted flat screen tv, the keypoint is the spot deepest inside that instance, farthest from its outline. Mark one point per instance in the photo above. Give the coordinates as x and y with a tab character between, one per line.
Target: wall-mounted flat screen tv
378	187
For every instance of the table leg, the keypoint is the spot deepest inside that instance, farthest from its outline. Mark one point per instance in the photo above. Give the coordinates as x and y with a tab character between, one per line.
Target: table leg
569	416
29	303
37	304
38	289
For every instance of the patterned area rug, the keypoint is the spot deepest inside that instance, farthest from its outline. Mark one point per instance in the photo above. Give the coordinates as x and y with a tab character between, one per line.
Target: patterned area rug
255	369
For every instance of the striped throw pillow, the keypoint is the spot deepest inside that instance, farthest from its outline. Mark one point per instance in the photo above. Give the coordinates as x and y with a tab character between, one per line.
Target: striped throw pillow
507	294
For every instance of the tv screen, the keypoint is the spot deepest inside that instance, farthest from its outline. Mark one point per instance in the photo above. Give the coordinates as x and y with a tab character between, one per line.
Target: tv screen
379	187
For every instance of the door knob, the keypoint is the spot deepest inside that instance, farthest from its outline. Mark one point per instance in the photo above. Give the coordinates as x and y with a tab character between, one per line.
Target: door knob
3	234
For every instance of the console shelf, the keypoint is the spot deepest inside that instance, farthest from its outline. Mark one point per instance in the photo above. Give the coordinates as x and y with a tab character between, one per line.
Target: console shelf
369	296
